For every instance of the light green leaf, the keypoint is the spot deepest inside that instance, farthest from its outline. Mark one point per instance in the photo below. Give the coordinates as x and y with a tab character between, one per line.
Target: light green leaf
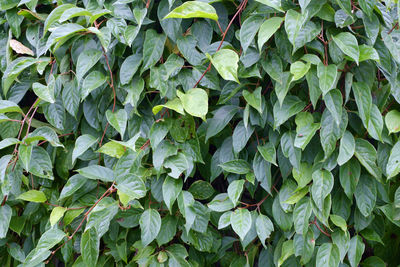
44	92
225	62
235	190
55	15
174	104
393	164
113	149
74	12
254	99
195	102
299	69
14	69
9	106
327	77
392	121
118	120
241	222
194	9
33	196
339	222
43	133
267	30
150	225
368	52
347	42
220	203
268	152
276	4
56	214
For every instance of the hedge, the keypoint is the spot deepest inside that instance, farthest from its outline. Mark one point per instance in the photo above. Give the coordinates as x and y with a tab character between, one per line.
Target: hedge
200	133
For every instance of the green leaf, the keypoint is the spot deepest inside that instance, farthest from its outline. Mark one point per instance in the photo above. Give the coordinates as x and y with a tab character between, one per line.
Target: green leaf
368	52
201	190
397	198
268	152
73	184
347	42
339	222
195	102
299	69
333	101
83	143
150	225
113	149
9	106
56	214
170	190
90	246
328	255
14	69
55	15
322	185
301	215
225	62
303	174
276	4
356	250
45	93
299	30
221	203
153	48
5	218
238	166
241	222
193	9
393	164
92	81
392	121
95	172
131	185
174	104
235	190
290	107
366	195
373	261
366	154
249	30
33	196
86	60
267	30
221	118
327	77
305	130
129	67
349	175
118	120
287	251
264	228
347	148
43	133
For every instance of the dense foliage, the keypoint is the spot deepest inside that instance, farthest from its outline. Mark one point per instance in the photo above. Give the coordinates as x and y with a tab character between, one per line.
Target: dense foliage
199	133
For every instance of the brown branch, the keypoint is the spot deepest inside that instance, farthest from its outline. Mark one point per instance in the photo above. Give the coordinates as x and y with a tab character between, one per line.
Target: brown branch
109	191
240	9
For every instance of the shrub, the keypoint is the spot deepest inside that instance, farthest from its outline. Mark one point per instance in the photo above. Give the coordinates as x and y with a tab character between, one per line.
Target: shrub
199	133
